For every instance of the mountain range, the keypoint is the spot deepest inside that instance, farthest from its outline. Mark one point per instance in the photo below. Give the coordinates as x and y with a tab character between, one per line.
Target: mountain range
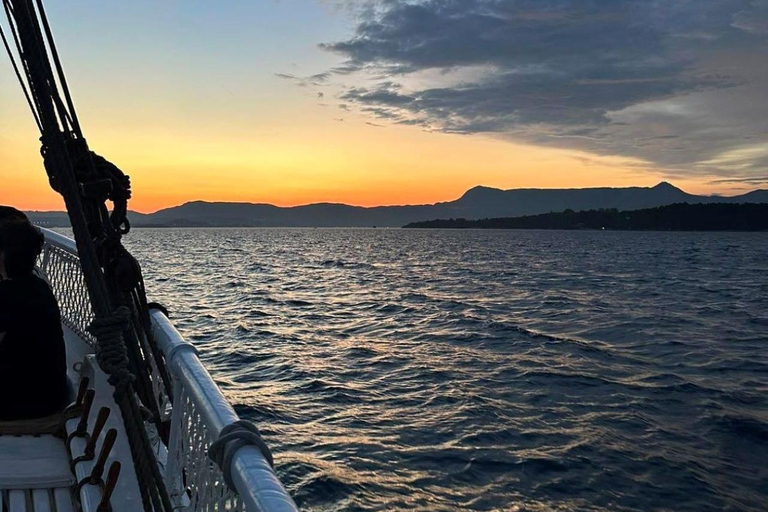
477	203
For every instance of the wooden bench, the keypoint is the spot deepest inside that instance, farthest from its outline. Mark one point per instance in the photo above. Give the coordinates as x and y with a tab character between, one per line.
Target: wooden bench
35	474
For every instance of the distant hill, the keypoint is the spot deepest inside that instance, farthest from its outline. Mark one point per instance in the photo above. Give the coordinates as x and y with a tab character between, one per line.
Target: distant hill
476	203
675	217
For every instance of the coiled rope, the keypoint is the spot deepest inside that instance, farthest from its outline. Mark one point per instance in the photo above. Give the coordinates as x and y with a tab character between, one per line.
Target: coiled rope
233	437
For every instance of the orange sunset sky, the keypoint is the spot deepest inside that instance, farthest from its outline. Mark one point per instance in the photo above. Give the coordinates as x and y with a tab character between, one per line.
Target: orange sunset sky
261	102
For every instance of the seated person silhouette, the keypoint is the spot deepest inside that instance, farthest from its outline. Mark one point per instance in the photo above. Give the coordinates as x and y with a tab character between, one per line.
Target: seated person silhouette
9	213
33	370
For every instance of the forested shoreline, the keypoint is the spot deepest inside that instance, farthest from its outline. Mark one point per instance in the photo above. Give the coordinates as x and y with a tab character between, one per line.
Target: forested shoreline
674	217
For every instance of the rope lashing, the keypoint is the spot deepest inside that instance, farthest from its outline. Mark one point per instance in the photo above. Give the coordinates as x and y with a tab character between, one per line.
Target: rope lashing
233	437
111	353
112	356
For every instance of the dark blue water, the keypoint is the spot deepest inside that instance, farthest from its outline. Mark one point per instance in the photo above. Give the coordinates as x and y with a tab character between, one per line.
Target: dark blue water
486	370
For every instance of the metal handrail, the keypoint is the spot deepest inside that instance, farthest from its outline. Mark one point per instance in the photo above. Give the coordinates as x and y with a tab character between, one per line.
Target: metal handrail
60	241
255	481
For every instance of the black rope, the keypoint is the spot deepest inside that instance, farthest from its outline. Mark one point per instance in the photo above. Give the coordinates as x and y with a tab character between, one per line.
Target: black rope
233	437
21	80
59	70
31	99
73	172
53	90
140	296
111	352
25	58
112	356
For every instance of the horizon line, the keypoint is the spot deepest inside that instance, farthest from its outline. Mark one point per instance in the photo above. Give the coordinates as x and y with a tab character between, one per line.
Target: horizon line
663	182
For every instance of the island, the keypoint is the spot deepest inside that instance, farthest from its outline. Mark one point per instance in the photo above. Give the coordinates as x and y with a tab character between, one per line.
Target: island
674	217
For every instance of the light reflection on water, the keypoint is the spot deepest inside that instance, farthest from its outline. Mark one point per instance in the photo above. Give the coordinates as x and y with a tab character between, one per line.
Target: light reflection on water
485	370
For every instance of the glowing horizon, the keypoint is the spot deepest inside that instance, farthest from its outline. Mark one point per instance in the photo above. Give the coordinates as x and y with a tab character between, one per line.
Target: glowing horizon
242	105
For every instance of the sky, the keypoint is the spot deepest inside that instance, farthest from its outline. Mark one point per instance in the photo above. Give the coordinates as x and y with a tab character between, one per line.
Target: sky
375	102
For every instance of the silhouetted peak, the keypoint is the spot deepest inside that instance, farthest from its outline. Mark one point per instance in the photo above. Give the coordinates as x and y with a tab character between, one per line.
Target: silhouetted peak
480	191
665	185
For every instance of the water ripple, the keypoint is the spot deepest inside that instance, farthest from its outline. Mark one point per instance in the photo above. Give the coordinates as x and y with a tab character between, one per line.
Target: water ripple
447	370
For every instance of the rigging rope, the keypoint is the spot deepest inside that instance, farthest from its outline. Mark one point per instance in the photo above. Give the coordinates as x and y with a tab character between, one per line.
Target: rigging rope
125	348
59	70
16	70
21	80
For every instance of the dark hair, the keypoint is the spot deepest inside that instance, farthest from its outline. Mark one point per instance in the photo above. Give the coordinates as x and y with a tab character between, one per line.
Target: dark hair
21	244
9	213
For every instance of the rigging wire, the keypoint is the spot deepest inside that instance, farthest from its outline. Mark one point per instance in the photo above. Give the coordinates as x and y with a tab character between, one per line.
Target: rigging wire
60	71
12	23
21	80
10	13
53	89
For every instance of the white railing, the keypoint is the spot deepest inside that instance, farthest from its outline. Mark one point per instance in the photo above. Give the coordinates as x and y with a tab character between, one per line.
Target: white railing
61	266
199	412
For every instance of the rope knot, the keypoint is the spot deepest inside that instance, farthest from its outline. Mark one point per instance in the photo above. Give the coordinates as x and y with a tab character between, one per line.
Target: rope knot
111	353
233	437
111	325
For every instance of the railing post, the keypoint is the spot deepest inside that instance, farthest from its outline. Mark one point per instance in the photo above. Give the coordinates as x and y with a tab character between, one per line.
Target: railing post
173	473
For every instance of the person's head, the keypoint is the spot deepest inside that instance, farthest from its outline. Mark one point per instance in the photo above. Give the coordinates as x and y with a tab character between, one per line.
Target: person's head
9	213
20	245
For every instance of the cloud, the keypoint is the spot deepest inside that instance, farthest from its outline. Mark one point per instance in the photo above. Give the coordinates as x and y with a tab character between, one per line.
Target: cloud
673	83
739	159
756	180
753	19
314	80
319	77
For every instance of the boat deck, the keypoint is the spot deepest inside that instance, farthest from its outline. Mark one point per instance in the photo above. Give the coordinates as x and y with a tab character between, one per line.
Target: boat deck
35	474
46	473
38	500
36	471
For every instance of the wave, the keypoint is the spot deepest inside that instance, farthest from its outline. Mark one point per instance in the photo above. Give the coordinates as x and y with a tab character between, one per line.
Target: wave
486	370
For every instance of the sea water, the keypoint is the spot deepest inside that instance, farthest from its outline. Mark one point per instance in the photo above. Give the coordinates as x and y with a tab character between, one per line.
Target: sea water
485	370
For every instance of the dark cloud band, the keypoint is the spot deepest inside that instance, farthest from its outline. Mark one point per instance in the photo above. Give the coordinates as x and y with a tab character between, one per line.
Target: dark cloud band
570	72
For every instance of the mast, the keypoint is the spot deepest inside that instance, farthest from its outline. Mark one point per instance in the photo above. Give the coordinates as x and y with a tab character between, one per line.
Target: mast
125	348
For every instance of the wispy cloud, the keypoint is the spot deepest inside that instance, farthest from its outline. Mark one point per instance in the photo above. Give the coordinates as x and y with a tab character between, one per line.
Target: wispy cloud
755	180
315	80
